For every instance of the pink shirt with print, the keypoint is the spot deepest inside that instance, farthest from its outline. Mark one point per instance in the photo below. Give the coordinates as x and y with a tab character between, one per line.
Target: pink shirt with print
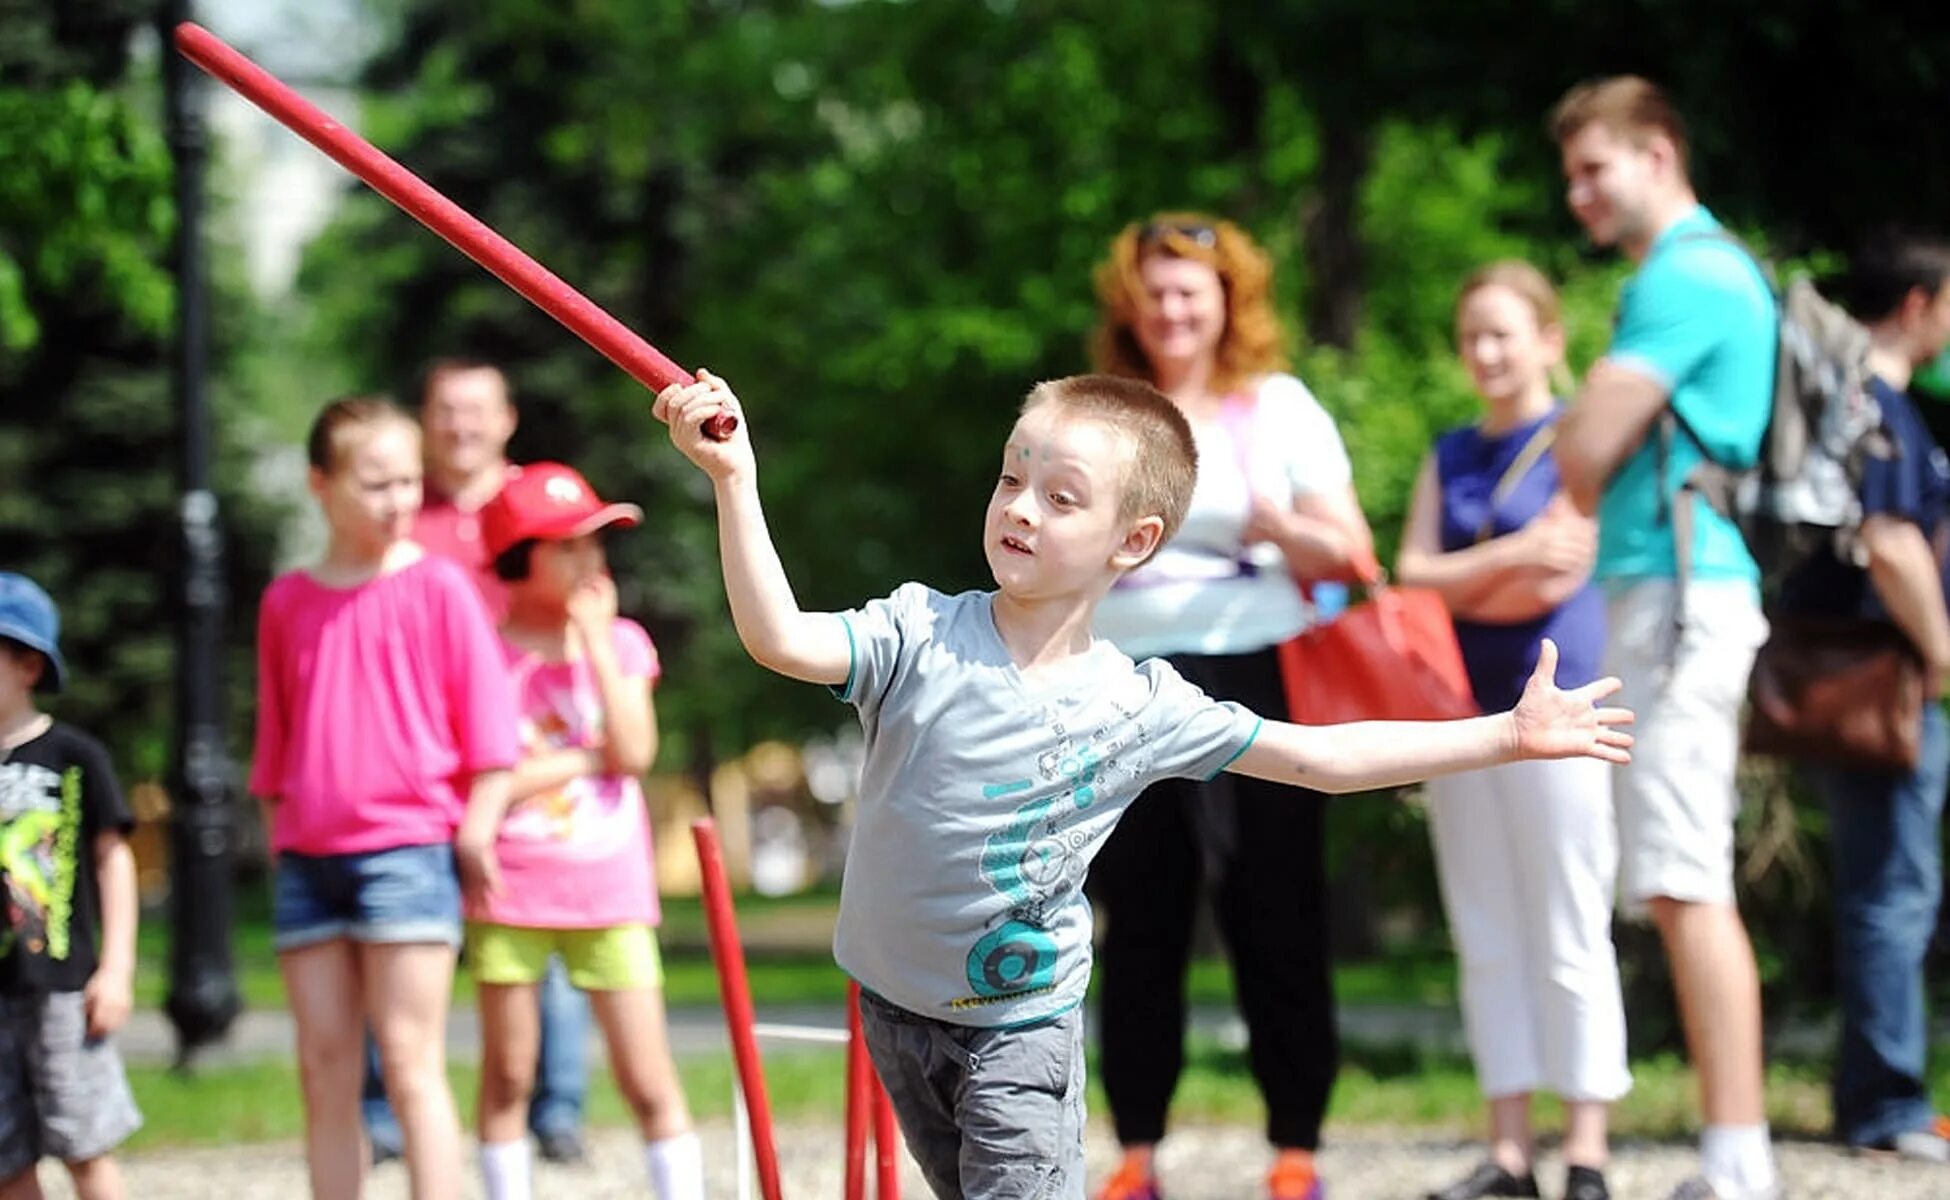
377	704
577	857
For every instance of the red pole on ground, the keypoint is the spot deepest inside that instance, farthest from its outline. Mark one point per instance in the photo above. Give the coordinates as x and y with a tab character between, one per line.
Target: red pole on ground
420	201
886	1141
735	991
859	1097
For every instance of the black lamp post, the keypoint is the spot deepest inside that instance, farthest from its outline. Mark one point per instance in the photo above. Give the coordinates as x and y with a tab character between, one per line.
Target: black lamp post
203	998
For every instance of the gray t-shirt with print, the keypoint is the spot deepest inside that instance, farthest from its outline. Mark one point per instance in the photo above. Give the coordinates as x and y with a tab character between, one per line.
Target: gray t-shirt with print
984	796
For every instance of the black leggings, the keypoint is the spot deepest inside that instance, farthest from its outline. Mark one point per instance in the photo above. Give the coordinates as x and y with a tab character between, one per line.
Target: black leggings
1262	843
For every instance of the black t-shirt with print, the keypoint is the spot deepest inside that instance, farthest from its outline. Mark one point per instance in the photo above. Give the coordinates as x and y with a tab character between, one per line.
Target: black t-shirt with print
57	792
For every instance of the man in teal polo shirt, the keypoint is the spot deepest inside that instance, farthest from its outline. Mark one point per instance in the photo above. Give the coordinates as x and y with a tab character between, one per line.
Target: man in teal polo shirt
1695	336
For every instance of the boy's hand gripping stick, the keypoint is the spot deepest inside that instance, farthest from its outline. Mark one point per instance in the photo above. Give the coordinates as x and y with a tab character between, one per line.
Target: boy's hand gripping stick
427	206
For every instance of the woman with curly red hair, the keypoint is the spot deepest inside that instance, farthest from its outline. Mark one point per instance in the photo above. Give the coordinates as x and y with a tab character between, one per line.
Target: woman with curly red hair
1187	305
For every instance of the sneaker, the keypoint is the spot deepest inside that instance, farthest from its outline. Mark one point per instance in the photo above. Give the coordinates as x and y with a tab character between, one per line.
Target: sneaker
1924	1145
1130	1182
1294	1183
1697	1188
562	1146
1585	1183
384	1152
1488	1179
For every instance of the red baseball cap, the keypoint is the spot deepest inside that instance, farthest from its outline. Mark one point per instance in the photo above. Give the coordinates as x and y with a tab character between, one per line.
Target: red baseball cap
547	501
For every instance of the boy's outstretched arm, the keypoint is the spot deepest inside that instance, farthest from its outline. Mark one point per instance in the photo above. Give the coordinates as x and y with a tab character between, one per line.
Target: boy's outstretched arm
1546	723
813	647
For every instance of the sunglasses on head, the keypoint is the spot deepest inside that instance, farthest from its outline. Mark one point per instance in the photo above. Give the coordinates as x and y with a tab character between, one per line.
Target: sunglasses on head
1203	236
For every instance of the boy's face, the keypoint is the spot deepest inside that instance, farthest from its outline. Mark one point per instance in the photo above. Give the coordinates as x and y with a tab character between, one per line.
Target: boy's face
558	567
1608	182
1053	527
20	672
372	496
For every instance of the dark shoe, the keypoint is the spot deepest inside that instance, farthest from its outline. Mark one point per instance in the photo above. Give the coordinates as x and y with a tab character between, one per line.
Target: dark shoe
384	1152
1488	1179
1583	1183
562	1146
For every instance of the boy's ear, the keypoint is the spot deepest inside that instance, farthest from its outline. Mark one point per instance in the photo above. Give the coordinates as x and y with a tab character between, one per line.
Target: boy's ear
1140	540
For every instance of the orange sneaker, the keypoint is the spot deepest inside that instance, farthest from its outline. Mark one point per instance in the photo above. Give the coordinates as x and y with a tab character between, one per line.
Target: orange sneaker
1131	1182
1292	1182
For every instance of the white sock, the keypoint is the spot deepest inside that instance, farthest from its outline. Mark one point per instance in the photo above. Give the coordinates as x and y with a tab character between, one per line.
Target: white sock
1737	1158
505	1169
676	1167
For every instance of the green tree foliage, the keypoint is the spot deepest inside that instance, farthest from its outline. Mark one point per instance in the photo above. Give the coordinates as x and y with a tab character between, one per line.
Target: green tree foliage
87	428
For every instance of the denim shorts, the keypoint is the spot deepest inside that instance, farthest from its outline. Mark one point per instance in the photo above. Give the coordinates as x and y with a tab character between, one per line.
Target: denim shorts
402	894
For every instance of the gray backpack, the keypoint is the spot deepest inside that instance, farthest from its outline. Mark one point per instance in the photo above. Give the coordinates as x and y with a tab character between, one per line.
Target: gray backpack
1803	497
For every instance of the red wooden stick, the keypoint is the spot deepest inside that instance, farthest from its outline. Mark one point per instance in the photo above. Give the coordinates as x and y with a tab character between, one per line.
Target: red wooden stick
859	1097
736	993
420	201
886	1141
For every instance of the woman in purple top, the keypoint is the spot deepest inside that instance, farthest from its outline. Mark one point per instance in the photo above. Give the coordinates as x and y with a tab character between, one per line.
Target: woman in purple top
1526	854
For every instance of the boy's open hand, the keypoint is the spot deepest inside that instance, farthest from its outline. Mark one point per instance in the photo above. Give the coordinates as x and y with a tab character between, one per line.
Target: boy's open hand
686	407
1551	723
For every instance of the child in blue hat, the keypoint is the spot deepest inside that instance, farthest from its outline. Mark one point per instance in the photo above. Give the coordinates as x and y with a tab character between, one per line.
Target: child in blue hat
67	920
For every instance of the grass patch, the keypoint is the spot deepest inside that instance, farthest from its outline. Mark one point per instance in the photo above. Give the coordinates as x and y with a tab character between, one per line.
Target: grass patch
1387	1089
787	958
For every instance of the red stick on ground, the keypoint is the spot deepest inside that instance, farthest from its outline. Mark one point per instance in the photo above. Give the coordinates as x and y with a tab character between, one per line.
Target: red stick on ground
420	201
886	1141
733	988
859	1097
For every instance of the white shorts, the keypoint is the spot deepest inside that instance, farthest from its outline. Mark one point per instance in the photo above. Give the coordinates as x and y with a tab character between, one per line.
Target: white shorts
1677	800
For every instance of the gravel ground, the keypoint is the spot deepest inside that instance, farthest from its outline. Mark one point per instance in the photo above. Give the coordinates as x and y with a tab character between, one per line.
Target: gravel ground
1197	1164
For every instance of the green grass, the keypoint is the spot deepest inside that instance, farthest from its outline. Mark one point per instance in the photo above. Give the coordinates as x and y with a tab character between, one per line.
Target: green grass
1393	1090
786	958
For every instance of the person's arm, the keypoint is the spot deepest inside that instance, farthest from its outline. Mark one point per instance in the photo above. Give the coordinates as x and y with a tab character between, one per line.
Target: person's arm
548	770
1546	723
1323	535
1515	577
1614	413
629	731
110	991
1903	571
488	797
813	647
1461	577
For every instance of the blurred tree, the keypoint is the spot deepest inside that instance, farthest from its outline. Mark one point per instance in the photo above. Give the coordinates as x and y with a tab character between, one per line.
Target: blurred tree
86	423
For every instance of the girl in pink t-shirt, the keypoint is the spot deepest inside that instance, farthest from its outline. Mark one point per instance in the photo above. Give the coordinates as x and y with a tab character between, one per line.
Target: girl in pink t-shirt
571	855
383	716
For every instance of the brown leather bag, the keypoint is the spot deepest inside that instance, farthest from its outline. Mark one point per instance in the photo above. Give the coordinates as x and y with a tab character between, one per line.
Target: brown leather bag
1845	692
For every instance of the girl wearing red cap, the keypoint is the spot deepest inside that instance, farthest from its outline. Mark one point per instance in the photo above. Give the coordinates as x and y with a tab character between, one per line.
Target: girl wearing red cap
570	850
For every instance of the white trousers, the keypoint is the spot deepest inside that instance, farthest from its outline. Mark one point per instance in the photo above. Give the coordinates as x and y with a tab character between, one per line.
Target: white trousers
1527	854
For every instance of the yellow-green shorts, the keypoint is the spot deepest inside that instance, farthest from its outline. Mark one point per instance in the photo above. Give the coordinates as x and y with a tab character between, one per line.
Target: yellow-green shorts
612	959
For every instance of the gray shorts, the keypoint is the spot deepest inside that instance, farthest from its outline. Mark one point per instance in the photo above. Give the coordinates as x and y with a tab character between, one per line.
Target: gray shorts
62	1095
989	1114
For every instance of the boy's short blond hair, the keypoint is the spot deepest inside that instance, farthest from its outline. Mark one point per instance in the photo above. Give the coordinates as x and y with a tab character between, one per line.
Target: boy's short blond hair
1630	106
1161	467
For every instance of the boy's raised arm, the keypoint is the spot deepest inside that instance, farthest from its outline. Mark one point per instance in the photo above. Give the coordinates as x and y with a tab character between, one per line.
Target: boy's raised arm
813	647
1547	723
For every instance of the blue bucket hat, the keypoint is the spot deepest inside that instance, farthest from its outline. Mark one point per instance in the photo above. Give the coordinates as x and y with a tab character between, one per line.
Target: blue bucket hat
28	616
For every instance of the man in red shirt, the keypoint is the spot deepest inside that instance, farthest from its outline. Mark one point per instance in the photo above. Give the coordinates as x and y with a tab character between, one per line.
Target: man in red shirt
467	415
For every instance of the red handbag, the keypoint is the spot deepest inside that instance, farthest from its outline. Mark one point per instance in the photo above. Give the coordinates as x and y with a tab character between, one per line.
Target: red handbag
1392	657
